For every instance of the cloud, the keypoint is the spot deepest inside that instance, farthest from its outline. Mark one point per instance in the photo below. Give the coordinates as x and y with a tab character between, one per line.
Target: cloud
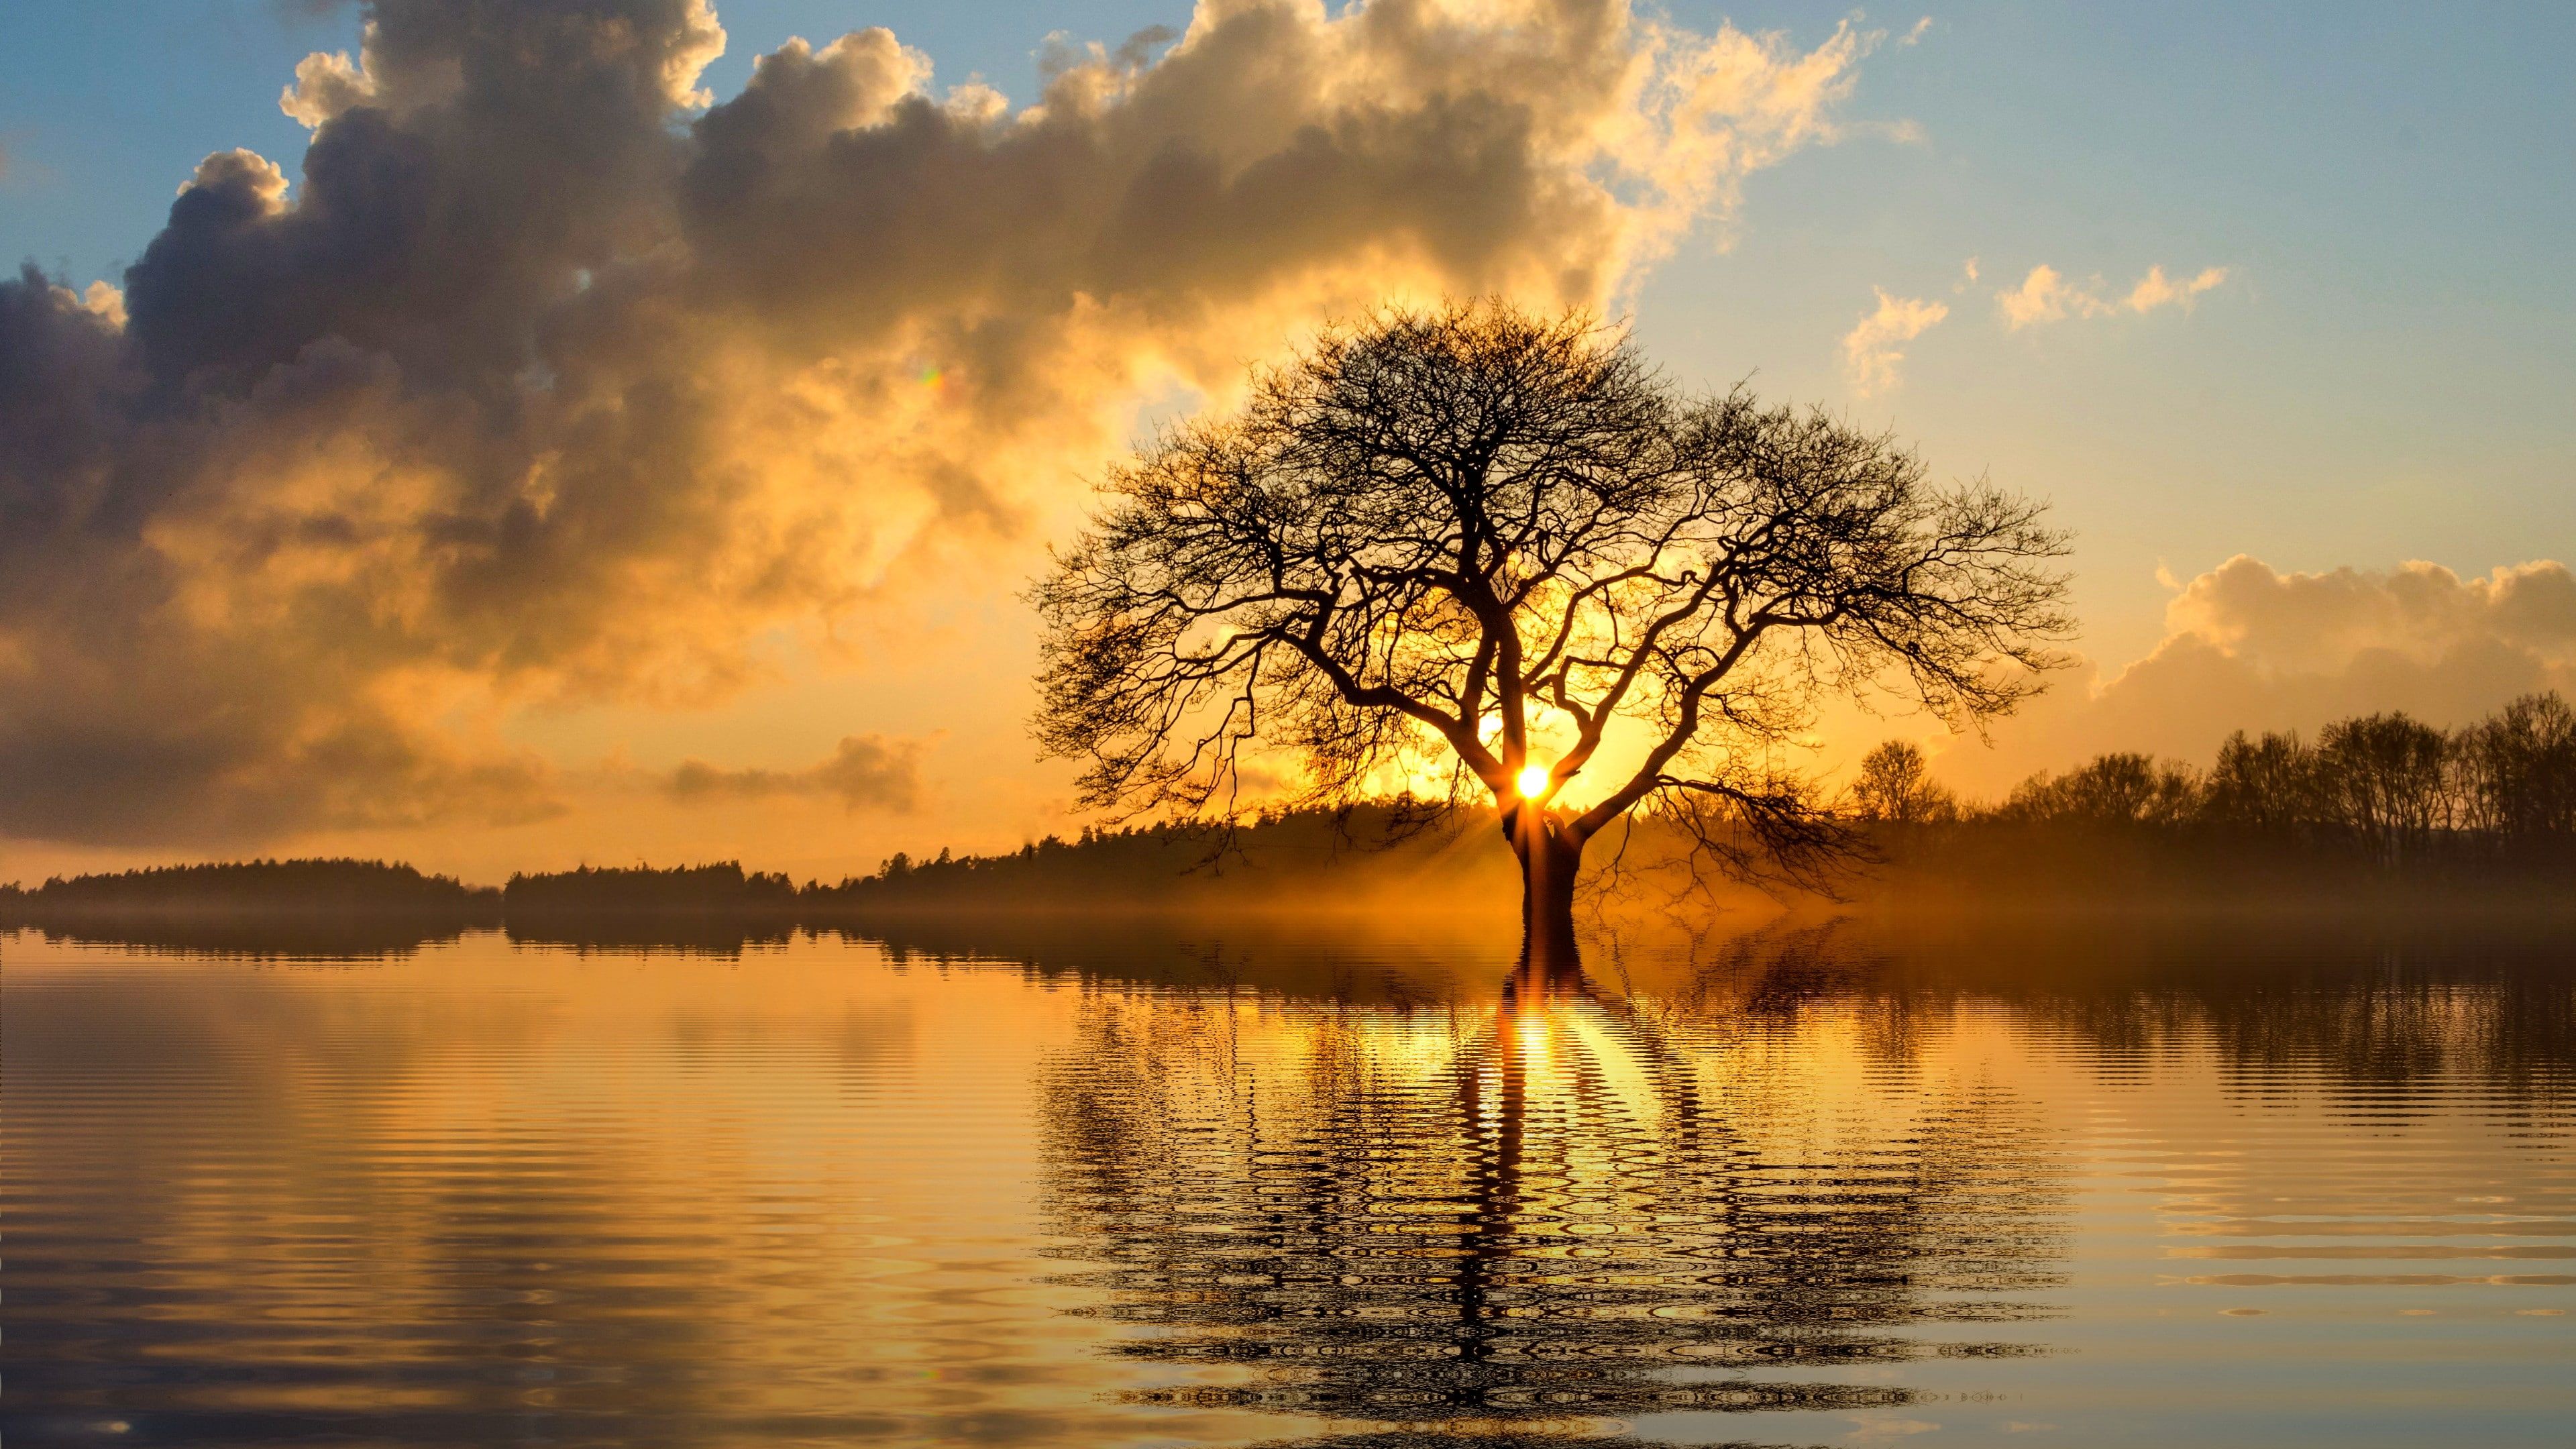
866	772
2045	295
552	380
2153	290
2249	647
1870	353
1914	34
1712	110
326	85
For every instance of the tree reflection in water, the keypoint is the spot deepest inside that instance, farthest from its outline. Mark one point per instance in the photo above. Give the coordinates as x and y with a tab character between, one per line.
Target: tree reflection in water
1552	1206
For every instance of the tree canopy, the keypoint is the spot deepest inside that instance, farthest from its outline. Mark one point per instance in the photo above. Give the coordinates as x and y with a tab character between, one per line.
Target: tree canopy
1471	552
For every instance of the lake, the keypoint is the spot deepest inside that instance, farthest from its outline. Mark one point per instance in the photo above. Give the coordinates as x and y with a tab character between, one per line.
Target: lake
2112	1182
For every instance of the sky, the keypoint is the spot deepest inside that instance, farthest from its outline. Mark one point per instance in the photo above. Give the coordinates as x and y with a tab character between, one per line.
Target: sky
596	459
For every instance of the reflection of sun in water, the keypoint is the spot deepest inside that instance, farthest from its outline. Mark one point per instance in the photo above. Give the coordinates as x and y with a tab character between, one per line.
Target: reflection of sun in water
1533	779
1533	1034
1549	1207
1570	1048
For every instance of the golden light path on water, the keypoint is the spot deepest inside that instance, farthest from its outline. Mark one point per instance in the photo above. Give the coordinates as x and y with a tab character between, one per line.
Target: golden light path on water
1156	1186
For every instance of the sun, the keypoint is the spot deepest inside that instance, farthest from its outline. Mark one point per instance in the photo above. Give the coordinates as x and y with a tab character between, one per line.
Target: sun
1533	779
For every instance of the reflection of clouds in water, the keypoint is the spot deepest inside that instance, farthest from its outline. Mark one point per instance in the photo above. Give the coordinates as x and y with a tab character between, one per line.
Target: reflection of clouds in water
1545	1209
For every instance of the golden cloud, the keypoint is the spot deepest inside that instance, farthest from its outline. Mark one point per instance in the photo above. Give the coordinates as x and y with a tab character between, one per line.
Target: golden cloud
2045	295
1870	350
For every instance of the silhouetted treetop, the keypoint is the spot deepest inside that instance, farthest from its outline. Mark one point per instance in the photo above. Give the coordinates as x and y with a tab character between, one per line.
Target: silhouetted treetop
2384	787
1896	787
721	886
258	884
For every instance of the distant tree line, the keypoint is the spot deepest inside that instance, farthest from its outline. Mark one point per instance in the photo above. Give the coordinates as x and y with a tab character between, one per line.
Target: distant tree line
308	886
290	885
2385	788
1139	864
1150	864
724	885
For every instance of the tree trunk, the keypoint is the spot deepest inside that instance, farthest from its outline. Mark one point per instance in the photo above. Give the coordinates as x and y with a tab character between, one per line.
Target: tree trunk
1550	859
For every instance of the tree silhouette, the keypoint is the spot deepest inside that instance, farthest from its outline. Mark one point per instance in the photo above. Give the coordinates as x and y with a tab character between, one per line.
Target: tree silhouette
1439	547
1896	788
2266	786
2517	772
2384	782
2122	788
2386	788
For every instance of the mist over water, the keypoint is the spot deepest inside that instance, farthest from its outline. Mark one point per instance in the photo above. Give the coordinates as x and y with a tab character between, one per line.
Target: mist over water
1192	1184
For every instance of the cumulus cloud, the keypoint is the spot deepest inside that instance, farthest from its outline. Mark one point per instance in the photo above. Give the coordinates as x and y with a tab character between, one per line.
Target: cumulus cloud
542	384
325	85
2045	295
2155	290
2250	647
865	772
1870	351
2322	622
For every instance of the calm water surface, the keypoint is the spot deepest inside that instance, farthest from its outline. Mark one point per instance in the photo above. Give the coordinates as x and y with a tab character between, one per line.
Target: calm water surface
2105	1185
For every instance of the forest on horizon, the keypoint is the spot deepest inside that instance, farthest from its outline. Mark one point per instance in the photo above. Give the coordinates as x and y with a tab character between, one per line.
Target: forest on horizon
2368	800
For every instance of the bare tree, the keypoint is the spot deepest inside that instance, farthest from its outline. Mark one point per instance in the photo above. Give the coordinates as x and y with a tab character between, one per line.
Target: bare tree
2266	787
1473	554
1896	788
2385	784
2117	789
2516	773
